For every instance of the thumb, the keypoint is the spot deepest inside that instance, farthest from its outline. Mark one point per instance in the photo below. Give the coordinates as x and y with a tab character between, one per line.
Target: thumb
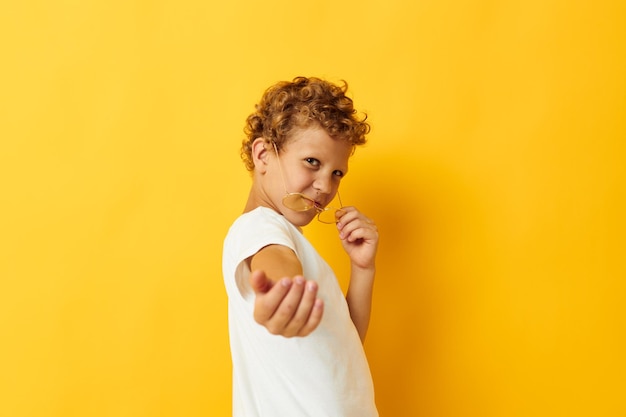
259	282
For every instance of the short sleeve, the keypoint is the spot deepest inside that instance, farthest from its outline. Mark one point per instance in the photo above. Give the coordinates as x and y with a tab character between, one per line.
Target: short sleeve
249	234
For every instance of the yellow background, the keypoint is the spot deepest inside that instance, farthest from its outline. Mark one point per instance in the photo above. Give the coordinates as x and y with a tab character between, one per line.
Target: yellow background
495	170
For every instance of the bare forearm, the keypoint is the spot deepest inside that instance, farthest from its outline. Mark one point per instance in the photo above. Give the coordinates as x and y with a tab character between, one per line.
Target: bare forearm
359	237
359	298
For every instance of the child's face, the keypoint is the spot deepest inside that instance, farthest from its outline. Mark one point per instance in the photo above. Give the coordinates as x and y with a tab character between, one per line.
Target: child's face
313	164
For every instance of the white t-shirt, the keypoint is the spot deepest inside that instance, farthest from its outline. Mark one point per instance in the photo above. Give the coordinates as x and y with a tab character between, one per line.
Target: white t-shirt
324	374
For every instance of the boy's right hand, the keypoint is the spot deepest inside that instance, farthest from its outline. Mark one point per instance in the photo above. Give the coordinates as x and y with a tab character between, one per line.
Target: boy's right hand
288	307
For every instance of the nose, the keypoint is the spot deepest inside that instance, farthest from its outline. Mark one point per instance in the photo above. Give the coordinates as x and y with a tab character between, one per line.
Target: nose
323	185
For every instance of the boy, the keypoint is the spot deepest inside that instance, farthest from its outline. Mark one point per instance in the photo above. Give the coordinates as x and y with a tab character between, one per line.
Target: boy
296	341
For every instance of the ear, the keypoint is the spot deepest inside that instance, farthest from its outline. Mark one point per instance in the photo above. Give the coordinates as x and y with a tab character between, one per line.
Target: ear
260	155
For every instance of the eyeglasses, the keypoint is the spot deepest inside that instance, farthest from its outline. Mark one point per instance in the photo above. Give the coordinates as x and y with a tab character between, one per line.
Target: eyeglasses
301	202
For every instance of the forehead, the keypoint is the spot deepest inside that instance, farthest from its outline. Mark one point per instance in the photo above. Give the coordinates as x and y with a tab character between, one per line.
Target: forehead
316	141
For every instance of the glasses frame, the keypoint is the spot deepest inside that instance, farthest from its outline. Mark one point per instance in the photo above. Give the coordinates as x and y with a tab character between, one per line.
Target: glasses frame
311	205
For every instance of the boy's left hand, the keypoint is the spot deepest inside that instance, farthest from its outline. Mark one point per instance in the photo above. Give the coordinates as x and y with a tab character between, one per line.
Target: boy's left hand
359	237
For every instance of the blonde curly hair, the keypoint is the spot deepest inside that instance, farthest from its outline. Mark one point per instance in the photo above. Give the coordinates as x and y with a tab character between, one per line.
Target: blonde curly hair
303	102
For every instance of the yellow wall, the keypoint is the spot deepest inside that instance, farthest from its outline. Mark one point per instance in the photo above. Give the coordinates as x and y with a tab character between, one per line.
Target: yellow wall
495	170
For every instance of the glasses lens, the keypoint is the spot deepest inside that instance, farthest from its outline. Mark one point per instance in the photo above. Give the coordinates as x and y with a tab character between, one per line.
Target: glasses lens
298	202
328	215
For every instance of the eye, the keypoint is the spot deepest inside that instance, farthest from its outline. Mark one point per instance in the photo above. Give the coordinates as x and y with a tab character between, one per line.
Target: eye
312	161
338	173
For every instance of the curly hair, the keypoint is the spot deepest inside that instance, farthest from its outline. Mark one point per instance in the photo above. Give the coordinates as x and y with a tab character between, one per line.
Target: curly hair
301	103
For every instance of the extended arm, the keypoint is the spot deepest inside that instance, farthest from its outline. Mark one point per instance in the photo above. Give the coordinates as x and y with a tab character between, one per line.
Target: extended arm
285	306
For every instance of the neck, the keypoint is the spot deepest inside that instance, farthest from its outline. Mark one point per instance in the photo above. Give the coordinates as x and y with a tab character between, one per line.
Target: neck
251	203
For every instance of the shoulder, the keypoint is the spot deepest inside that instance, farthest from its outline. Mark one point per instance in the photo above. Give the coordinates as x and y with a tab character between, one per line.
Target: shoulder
261	226
261	218
253	231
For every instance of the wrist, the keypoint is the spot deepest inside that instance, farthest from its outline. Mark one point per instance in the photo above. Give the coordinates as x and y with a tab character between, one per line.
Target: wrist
363	271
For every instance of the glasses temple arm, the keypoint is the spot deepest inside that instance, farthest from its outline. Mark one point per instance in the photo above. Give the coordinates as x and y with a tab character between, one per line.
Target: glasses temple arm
280	168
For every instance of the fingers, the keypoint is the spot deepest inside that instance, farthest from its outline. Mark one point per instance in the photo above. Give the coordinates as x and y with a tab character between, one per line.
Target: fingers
308	313
353	225
289	308
359	237
314	319
286	310
259	282
267	302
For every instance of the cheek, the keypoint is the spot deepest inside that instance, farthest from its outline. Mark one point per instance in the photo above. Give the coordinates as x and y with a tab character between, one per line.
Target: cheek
299	179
